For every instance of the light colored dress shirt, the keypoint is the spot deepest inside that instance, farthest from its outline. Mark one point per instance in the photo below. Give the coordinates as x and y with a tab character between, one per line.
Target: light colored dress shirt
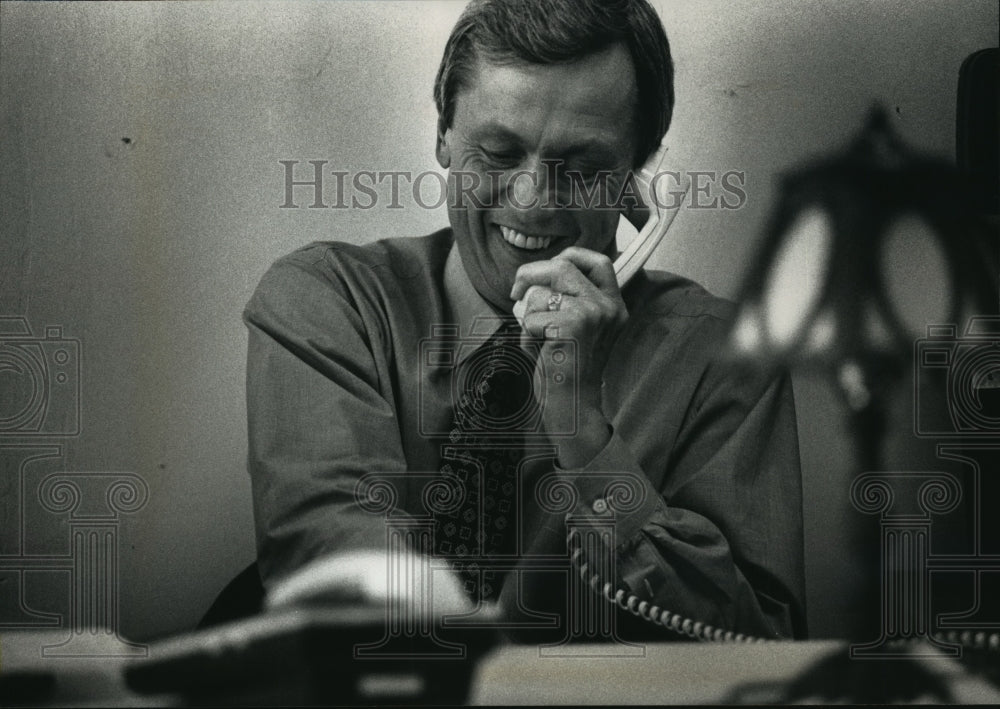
340	384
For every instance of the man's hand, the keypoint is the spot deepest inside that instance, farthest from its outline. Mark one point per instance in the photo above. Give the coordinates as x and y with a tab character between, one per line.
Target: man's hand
573	297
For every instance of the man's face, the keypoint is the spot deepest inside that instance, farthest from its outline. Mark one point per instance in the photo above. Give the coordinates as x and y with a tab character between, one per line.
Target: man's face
512	126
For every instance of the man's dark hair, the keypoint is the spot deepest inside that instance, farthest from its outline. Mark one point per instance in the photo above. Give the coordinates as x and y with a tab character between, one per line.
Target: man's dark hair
559	31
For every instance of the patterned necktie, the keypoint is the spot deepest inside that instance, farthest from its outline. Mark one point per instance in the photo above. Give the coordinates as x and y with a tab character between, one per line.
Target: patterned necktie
494	406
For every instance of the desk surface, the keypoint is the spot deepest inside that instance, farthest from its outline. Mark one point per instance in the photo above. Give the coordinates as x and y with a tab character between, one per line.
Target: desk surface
704	674
588	674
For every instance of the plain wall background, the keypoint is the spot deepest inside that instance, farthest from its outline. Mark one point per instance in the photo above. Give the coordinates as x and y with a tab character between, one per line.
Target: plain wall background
147	250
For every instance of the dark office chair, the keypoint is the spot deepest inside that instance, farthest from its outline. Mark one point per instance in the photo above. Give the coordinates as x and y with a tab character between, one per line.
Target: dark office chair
241	598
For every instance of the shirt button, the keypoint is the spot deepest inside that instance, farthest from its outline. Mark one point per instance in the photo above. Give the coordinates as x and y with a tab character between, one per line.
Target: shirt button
600	506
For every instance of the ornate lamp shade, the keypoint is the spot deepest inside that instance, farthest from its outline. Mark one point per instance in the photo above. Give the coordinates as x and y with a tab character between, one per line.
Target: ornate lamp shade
835	283
866	250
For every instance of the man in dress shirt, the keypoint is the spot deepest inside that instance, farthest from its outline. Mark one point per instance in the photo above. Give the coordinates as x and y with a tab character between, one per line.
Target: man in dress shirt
338	387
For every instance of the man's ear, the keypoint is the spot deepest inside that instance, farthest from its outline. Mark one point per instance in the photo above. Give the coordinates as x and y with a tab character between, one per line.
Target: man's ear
442	150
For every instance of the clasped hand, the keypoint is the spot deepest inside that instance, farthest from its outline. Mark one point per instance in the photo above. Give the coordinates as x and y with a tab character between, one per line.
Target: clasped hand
573	306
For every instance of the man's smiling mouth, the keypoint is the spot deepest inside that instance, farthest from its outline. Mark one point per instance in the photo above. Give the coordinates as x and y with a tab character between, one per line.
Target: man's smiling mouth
523	241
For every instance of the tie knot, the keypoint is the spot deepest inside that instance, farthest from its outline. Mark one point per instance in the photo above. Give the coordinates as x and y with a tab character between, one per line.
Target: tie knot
509	327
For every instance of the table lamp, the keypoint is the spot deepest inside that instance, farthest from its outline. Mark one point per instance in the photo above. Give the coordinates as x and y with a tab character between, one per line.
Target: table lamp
831	288
834	290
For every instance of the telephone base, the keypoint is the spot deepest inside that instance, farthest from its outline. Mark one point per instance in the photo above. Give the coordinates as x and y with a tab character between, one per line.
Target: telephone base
309	656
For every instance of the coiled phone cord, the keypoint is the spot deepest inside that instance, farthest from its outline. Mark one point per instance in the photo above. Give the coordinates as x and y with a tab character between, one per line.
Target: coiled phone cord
708	633
972	640
650	612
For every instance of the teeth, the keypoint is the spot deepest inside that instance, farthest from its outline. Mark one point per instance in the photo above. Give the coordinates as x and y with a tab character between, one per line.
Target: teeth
530	243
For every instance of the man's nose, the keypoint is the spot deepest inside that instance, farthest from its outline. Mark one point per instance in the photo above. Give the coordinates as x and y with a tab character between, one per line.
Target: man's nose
529	186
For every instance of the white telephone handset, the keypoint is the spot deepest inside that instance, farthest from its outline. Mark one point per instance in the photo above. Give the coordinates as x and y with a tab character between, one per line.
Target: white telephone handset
632	259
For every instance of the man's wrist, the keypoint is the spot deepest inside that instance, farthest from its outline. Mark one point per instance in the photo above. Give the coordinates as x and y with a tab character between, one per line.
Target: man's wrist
592	436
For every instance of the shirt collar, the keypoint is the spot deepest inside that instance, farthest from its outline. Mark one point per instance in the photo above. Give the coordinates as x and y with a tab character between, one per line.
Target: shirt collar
475	318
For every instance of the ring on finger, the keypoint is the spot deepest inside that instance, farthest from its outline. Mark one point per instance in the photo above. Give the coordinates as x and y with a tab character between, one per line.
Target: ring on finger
555	300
